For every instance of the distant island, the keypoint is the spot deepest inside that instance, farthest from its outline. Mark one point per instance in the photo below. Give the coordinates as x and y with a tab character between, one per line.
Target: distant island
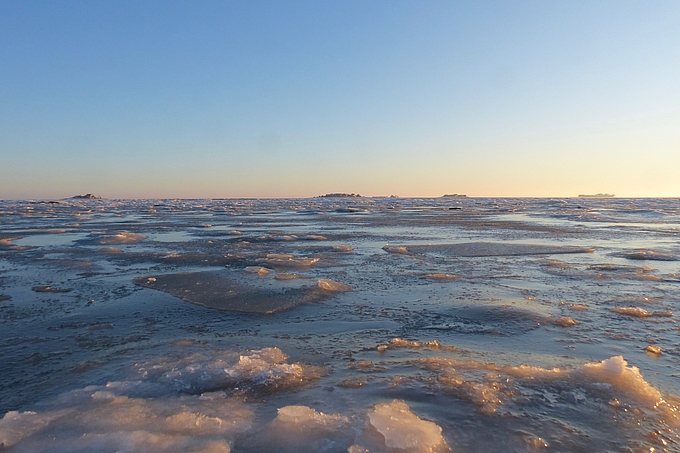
597	195
88	196
454	195
340	195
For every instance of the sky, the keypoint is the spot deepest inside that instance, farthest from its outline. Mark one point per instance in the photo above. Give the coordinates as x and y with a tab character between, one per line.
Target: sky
211	99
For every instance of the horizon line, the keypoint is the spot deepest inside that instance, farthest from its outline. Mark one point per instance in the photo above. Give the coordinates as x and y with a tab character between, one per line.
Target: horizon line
388	197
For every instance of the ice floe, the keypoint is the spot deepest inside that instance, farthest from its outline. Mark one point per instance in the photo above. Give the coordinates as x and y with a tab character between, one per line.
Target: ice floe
525	376
222	291
646	254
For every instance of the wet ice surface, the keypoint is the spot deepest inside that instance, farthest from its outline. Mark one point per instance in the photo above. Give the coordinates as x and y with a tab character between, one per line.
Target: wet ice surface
321	325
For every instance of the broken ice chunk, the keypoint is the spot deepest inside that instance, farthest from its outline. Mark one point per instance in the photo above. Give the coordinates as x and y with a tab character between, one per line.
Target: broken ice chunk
565	321
404	430
302	429
653	350
259	270
332	286
287	260
639	312
623	378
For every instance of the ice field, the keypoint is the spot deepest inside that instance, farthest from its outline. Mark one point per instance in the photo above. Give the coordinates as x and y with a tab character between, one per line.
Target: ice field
340	325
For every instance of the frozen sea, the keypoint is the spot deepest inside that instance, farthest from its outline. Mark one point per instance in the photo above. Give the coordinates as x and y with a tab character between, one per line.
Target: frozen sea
340	325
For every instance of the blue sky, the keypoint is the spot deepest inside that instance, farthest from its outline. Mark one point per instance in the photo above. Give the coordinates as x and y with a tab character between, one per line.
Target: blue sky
135	99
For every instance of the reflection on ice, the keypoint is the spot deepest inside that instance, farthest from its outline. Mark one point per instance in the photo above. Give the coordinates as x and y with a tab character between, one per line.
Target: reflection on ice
122	238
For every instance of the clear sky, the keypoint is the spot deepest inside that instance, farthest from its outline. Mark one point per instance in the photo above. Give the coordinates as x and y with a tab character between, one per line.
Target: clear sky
150	99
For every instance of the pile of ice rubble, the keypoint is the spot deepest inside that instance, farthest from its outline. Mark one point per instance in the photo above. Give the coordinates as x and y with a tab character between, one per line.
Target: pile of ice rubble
198	403
206	401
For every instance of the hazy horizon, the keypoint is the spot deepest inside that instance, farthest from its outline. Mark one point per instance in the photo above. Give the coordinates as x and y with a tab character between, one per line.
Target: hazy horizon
104	198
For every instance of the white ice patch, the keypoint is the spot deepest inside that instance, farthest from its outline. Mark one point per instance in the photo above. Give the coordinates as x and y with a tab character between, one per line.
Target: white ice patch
302	429
15	426
123	424
403	430
306	416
